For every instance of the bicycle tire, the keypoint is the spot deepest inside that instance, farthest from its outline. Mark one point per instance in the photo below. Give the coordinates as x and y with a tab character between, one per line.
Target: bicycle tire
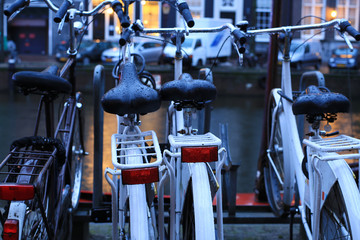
138	207
199	223
274	189
34	226
334	219
77	159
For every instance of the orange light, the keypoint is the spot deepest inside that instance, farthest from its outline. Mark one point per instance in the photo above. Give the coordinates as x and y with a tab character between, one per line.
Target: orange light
140	175
11	229
333	14
16	192
199	154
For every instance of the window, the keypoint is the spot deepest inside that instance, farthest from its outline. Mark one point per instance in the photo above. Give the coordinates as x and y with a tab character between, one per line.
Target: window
348	9
310	9
198	43
263	17
196	7
150	14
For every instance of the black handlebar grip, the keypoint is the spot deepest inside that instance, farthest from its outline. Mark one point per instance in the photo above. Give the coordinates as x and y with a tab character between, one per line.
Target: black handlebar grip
124	20
125	37
239	36
346	26
62	11
185	12
15	6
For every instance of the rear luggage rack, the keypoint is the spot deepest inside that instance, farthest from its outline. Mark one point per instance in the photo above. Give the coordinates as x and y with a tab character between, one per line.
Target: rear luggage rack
25	166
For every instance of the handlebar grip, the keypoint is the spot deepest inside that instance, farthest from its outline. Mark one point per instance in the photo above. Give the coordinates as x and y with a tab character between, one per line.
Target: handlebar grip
239	36
185	12
346	26
15	6
124	20
62	11
125	37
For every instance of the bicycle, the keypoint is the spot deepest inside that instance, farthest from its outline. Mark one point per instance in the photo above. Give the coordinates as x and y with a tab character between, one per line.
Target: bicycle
43	174
192	182
133	151
326	194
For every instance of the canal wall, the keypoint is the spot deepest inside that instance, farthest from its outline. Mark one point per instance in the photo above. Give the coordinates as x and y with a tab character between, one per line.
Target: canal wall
228	80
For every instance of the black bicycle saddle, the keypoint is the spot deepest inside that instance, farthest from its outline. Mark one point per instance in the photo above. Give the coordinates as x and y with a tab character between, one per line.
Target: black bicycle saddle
188	89
45	81
130	96
319	100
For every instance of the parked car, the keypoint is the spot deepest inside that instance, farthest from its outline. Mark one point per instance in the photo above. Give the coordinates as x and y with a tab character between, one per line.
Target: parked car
89	51
343	57
304	54
150	49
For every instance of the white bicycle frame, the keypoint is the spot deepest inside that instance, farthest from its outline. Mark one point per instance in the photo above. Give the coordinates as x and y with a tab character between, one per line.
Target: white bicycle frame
331	167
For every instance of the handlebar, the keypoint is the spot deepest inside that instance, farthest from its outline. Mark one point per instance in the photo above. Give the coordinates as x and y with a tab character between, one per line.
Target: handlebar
124	20
16	6
346	26
185	12
342	23
62	10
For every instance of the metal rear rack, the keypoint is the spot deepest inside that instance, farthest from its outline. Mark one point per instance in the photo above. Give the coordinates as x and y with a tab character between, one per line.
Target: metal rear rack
334	144
207	139
145	143
25	163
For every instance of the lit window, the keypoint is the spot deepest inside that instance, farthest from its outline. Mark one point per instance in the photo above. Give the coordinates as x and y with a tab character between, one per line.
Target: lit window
150	14
310	9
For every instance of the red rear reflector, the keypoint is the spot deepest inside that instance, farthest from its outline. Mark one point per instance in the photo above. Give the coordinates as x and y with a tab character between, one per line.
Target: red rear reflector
199	154
11	230
140	175
16	192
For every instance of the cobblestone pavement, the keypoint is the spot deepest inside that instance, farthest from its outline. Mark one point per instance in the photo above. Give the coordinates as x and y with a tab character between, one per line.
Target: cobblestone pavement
101	231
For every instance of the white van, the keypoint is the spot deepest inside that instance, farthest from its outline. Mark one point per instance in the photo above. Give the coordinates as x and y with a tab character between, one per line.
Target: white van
304	54
200	47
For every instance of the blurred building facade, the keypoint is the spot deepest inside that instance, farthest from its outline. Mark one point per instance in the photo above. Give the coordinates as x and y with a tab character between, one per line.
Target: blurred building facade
34	32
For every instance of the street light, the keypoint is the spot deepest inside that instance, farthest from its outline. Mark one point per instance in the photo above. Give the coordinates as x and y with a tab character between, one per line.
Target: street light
333	14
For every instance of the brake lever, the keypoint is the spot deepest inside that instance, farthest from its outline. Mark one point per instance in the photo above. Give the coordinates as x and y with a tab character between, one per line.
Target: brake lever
14	15
346	39
61	24
241	56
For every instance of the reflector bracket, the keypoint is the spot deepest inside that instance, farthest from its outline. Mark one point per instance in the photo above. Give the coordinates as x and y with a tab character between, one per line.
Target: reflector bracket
140	175
16	192
199	154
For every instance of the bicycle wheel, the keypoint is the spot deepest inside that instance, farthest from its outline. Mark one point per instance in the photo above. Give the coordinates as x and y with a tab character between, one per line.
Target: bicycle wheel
198	216
274	177
138	207
77	158
34	225
334	219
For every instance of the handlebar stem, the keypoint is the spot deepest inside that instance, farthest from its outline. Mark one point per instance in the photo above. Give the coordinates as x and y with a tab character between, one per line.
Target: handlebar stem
286	52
